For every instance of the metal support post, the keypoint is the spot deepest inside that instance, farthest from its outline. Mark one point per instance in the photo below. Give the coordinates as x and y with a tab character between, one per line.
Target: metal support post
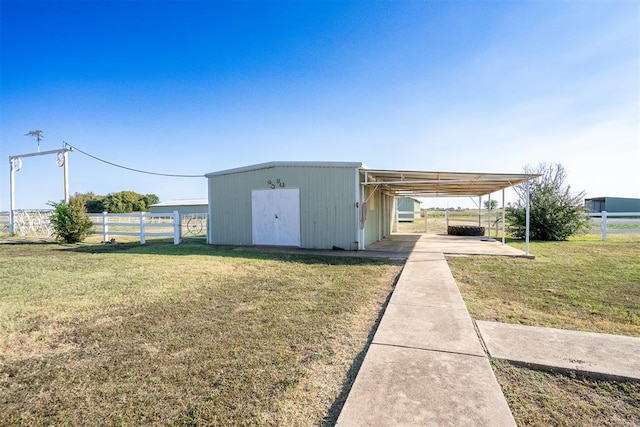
503	218
65	167
528	215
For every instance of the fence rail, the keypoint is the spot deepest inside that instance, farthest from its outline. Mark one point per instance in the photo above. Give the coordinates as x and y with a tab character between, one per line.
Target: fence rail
437	221
144	225
614	222
36	223
142	221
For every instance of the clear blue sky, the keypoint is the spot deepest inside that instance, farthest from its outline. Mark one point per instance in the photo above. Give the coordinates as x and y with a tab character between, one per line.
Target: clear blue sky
196	86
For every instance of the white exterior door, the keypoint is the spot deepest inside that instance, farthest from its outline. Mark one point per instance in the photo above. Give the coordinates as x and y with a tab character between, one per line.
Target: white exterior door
275	217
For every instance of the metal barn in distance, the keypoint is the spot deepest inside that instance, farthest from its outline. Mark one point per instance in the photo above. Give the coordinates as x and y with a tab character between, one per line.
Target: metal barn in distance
183	206
612	204
325	205
408	209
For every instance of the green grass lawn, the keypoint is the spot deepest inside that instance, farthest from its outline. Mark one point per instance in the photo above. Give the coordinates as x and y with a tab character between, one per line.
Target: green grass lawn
582	284
184	335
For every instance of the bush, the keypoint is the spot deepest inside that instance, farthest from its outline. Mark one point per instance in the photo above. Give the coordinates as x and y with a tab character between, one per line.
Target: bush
70	221
555	214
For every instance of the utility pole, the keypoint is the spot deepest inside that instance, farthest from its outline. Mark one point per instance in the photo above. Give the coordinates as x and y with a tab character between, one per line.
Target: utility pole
37	134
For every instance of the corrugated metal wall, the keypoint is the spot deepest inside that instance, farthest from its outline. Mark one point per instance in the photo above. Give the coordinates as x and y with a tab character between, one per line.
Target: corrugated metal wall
613	204
621	204
379	216
327	204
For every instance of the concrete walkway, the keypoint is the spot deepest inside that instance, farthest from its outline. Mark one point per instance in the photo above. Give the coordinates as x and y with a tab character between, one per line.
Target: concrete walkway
426	365
597	355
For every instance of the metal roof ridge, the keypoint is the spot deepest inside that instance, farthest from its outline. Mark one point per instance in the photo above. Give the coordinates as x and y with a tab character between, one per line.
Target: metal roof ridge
273	164
194	201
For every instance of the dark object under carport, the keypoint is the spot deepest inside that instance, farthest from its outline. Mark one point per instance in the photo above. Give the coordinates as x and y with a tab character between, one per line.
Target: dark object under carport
465	230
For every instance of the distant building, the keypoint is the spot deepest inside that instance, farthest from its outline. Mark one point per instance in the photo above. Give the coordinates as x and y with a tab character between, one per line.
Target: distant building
612	204
184	206
408	209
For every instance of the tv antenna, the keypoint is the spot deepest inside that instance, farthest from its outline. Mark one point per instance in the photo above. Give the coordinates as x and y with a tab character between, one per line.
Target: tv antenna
37	134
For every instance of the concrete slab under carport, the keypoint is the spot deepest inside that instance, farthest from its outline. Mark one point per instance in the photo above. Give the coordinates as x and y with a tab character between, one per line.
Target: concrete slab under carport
444	243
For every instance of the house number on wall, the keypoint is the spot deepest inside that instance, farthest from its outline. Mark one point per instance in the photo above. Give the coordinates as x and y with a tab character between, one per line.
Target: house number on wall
278	183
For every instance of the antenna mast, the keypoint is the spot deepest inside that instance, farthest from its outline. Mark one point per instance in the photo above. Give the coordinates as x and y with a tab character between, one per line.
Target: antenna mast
37	134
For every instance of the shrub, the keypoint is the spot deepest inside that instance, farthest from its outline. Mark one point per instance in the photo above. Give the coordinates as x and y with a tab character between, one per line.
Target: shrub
555	213
70	221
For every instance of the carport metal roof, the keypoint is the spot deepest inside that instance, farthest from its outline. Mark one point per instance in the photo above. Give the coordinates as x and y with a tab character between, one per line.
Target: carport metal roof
447	184
440	184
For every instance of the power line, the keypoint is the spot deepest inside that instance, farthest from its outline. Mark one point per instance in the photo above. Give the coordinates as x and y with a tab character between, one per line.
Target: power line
128	168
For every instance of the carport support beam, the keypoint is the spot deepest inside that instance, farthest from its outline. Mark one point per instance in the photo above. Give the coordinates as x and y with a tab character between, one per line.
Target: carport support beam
489	216
503	218
528	214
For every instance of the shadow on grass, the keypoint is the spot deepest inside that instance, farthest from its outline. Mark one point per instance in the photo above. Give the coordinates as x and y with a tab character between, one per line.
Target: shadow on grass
19	242
200	248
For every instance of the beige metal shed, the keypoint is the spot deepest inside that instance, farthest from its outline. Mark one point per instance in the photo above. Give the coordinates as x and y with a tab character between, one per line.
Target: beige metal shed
325	204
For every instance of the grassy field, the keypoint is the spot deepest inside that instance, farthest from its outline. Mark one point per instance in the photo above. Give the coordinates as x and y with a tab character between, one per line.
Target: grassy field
181	335
583	284
435	221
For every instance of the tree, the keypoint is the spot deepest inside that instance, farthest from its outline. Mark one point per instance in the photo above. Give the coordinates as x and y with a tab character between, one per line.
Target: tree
555	213
120	202
494	204
70	221
92	202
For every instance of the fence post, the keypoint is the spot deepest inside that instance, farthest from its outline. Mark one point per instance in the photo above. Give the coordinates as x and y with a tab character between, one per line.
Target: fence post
604	225
177	228
12	223
105	227
426	226
142	229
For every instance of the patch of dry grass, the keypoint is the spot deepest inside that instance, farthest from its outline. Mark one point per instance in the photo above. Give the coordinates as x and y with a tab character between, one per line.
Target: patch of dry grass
186	335
555	399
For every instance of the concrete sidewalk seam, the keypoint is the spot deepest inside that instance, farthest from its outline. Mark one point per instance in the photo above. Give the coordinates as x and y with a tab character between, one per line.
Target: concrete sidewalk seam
482	343
432	350
445	304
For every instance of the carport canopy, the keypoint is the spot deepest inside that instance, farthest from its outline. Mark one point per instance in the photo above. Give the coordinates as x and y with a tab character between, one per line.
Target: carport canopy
447	184
441	184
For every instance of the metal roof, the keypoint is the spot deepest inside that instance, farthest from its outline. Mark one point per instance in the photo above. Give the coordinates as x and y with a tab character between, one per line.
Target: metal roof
410	183
183	202
269	165
434	184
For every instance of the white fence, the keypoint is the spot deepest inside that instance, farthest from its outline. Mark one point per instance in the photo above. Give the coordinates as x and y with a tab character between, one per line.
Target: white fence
614	222
141	225
144	225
